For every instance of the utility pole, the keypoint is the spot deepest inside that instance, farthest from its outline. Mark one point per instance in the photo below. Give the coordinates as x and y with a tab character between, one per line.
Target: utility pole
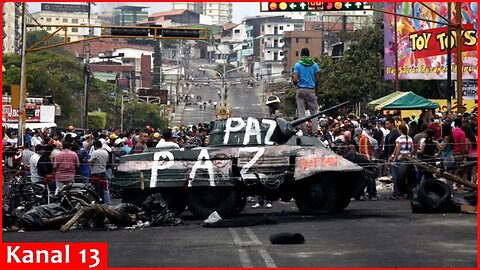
23	81
449	59
458	30
86	73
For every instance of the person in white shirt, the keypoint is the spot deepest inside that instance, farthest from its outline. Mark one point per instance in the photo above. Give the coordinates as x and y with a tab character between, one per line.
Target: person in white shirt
37	138
39	149
167	141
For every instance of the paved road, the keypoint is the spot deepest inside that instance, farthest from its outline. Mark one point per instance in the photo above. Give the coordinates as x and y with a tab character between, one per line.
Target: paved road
368	234
207	87
246	101
242	100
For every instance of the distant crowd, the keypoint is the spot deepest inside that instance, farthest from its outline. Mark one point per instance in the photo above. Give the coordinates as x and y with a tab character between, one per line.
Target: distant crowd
445	138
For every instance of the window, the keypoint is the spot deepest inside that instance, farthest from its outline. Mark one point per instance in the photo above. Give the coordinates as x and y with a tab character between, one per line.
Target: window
288	25
49	19
280	53
281	27
237	31
268	51
74	21
306	40
65	20
48	28
296	53
74	29
57	19
296	40
269	25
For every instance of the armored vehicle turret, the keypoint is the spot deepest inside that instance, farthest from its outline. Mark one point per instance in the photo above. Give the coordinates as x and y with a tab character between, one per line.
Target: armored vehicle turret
245	157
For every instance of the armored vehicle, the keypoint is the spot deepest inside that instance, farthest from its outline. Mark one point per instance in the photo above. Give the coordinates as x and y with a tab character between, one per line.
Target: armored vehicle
244	157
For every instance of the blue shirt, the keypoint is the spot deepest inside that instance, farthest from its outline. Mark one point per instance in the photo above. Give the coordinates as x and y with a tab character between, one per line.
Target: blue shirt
306	75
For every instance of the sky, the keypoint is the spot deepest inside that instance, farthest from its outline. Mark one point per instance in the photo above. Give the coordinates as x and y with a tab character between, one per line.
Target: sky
240	10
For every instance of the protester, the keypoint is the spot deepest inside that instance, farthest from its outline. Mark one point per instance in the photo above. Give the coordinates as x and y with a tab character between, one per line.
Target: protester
306	77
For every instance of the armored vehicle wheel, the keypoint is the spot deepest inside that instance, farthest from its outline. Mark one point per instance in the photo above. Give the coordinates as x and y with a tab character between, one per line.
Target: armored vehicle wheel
319	196
175	198
241	203
202	201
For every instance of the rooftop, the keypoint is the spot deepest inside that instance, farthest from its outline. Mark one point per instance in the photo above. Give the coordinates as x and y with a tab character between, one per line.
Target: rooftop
167	13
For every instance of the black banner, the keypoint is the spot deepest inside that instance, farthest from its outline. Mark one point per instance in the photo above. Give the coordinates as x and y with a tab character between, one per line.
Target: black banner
64	7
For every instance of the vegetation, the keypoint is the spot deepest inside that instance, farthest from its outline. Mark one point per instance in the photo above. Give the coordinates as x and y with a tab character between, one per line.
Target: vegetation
141	115
97	120
228	66
57	73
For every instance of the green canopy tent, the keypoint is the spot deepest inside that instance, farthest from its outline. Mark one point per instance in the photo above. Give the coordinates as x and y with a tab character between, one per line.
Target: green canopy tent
402	101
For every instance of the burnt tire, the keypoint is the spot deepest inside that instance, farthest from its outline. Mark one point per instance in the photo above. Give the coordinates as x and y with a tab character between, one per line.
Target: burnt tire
320	196
202	201
431	196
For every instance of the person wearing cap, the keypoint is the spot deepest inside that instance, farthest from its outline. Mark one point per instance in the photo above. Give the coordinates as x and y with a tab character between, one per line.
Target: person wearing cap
156	138
326	136
306	77
167	142
71	131
120	149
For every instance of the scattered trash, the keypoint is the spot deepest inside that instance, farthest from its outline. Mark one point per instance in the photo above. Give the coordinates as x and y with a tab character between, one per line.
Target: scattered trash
213	218
36	218
242	222
286	238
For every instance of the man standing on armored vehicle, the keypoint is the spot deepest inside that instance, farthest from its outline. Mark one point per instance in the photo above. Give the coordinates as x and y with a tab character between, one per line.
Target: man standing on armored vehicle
306	77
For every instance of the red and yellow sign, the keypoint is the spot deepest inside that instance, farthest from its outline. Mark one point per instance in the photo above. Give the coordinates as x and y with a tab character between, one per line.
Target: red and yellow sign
434	41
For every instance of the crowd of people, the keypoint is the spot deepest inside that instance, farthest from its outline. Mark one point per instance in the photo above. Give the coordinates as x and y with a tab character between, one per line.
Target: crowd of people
63	157
445	140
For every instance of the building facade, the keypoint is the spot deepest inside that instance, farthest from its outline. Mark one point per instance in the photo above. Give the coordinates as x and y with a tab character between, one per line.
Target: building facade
294	41
129	15
272	54
47	17
221	12
11	28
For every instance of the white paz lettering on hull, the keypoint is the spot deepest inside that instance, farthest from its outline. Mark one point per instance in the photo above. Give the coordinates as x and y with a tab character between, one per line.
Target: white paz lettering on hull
258	153
203	162
252	128
166	162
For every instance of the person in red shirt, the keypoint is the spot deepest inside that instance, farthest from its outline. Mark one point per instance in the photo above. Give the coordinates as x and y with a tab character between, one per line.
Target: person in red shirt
65	165
460	149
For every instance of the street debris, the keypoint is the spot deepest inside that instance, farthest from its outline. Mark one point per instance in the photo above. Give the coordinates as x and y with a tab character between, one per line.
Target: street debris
154	212
286	238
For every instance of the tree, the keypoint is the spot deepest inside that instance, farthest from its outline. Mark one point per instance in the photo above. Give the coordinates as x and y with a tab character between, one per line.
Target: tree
228	66
141	115
51	73
358	74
